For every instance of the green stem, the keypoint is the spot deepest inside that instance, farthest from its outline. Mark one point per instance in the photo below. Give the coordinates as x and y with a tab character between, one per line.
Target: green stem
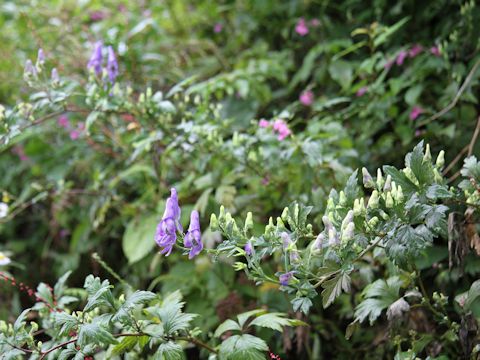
107	268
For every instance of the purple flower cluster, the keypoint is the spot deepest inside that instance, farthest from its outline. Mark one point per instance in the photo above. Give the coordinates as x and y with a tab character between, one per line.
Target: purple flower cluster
96	62
166	234
285	278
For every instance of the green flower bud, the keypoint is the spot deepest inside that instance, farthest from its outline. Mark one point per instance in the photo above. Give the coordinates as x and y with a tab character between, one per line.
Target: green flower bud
332	237
437	176
380	180
373	222
141	98
348	220
270	227
342	199
285	214
309	228
384	215
239	266
330	204
149	92
356	207
440	159
213	222
428	156
399	198
221	216
280	223
373	200
3	326
389	201
121	298
367	179
248	222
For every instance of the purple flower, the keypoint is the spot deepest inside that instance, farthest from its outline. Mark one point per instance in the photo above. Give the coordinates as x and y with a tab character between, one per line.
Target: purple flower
193	237
306	97
285	278
401	57
96	59
54	76
217	28
249	248
415	113
112	65
29	69
40	57
415	50
361	91
286	240
166	235
301	28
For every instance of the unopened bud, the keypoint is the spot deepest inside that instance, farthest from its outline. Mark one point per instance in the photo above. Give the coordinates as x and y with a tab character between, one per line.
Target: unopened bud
347	234
373	200
367	179
380	180
373	222
248	222
342	199
389	201
348	220
285	214
388	184
428	156
213	222
440	159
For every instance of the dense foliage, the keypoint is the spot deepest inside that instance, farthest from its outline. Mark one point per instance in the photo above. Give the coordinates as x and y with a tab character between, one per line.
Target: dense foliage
201	156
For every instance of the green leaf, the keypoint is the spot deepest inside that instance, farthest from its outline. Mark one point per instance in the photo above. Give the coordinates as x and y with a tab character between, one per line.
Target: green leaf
243	317
302	303
95	334
138	239
227	325
383	37
243	347
60	285
99	293
137	298
66	321
20	322
342	72
275	321
169	351
127	344
333	288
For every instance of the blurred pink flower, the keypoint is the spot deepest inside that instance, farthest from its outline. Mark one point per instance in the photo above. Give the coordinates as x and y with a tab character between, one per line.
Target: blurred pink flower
265	180
301	28
63	121
306	98
20	152
361	91
415	50
97	15
315	22
388	65
401	57
435	50
217	28
281	127
415	113
74	134
263	123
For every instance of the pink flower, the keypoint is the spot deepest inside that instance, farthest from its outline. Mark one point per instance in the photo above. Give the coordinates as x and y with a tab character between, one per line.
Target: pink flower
415	113
415	50
361	91
315	22
97	15
281	127
217	28
435	50
81	126
265	180
401	57
306	98
63	121
301	28
74	134
20	152
263	123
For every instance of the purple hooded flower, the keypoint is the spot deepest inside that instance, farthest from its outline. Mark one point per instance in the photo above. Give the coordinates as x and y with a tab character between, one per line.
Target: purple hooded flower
54	76
96	59
401	57
112	65
249	248
29	69
166	235
40	57
193	237
285	278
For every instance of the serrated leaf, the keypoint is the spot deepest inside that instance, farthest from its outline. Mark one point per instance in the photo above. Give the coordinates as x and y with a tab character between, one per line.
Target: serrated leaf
135	299
66	321
169	351
94	334
243	317
60	285
99	293
333	288
275	321
302	304
244	346
227	325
